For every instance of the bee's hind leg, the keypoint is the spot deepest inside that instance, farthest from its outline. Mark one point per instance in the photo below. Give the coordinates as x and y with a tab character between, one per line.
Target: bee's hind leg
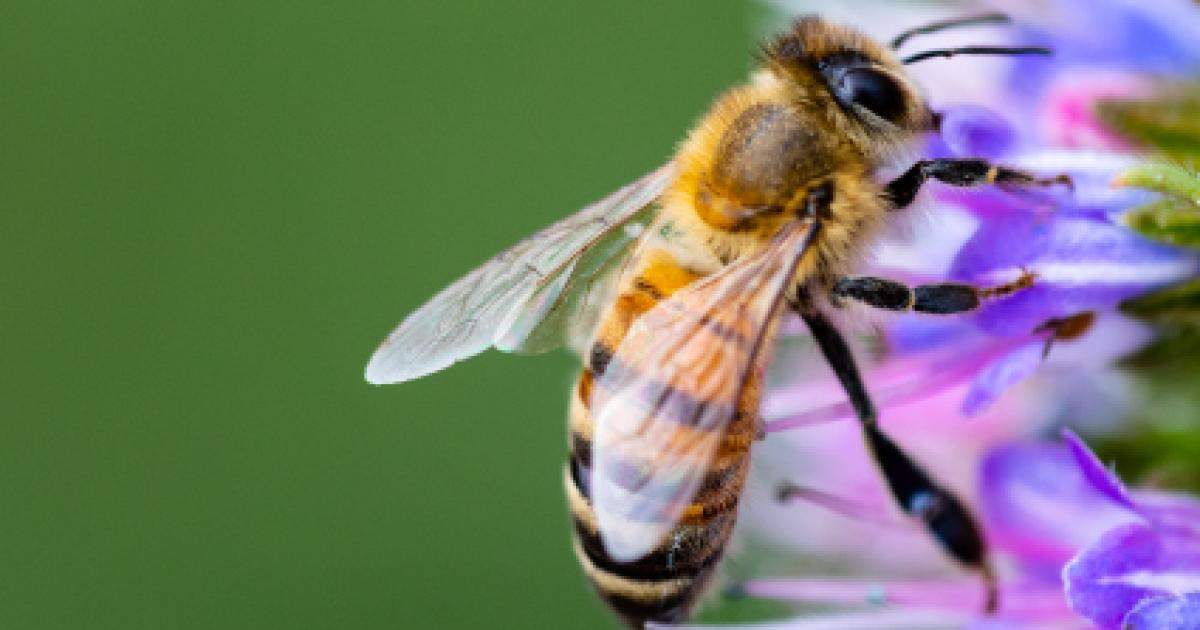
964	172
944	515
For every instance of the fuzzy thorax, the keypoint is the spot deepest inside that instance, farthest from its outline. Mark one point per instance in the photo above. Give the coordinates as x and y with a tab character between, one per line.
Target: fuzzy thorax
748	168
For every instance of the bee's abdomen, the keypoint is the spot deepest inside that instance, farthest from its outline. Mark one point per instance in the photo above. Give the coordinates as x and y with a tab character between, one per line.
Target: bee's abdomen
664	584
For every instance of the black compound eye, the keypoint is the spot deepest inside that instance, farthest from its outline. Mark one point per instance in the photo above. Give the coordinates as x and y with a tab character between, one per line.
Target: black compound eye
873	90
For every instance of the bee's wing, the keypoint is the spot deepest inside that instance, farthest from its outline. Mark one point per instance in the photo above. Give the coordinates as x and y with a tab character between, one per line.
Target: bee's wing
517	286
568	310
672	387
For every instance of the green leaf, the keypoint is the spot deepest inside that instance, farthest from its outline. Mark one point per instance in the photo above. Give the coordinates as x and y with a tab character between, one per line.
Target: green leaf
1155	452
1161	443
1169	220
1174	219
1170	123
1177	181
1180	303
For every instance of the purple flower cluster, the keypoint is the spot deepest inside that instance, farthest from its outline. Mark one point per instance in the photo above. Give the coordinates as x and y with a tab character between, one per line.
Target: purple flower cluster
1084	262
1128	559
1075	547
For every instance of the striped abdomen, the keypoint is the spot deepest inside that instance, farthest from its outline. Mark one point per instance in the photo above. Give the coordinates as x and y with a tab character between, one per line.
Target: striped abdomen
664	584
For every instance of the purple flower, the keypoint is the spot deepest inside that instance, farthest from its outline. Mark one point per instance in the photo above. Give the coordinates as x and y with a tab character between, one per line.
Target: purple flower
1080	264
1168	611
1075	545
1131	566
1146	37
1151	565
1083	261
973	131
1033	497
1056	508
846	516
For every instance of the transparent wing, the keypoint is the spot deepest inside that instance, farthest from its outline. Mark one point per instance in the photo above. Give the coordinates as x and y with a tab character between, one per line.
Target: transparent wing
522	284
569	309
673	386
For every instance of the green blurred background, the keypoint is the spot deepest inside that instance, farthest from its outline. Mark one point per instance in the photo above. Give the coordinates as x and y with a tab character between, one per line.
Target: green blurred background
211	214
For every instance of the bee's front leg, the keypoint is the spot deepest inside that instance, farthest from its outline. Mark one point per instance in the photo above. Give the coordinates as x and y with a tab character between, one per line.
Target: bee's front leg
942	298
964	172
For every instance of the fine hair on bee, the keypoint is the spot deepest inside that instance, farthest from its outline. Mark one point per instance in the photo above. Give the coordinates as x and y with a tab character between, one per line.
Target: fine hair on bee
671	291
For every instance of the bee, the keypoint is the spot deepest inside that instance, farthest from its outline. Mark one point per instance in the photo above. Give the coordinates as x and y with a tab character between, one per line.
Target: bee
671	290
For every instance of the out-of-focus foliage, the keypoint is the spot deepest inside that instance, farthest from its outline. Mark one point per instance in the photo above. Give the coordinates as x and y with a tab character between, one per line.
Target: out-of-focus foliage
1170	124
1176	217
1180	183
1175	221
1164	445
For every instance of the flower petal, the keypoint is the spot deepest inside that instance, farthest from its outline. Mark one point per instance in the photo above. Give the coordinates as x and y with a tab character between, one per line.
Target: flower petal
1101	478
846	506
952	595
1007	371
1027	601
1092	192
903	380
1080	265
1127	565
1154	36
1170	511
974	131
1070	117
1177	613
1092	173
887	619
1037	505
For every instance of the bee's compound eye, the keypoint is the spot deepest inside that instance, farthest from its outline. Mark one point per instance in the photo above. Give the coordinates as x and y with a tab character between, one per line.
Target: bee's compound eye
872	90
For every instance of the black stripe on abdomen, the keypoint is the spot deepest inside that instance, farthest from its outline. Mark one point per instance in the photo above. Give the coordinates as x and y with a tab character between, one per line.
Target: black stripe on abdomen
661	586
688	554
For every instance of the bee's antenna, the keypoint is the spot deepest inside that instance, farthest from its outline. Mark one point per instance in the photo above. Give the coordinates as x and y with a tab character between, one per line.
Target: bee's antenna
987	18
977	50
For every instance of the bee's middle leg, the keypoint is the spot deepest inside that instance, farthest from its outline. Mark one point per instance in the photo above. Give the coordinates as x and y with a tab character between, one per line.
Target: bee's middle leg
942	298
944	515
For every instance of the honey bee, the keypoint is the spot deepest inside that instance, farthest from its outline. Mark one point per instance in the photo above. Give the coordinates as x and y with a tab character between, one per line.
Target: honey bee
671	290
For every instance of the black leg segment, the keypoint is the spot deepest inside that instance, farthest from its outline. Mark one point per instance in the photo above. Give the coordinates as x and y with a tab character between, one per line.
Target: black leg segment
839	357
877	292
965	172
946	298
942	298
946	517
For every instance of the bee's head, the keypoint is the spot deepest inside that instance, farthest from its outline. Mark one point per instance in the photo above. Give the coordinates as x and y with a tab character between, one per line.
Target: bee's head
859	83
